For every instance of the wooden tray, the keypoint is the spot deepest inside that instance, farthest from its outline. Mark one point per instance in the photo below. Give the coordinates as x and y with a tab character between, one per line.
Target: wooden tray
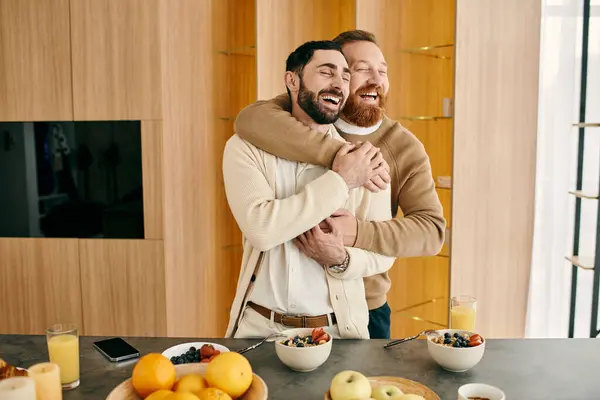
257	391
406	385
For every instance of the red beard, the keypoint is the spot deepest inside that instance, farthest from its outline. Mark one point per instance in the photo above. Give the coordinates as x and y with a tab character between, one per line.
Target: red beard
361	114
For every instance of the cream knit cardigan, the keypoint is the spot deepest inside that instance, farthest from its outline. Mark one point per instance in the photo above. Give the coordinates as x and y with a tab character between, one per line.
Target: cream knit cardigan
266	222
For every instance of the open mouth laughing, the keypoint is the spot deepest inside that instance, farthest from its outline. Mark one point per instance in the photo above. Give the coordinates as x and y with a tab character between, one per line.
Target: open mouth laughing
330	100
369	97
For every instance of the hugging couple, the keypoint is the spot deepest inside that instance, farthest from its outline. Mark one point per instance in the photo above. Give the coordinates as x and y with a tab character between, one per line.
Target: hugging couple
314	178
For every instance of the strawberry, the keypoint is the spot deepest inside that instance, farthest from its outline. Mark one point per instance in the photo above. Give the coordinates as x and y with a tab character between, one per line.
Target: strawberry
319	336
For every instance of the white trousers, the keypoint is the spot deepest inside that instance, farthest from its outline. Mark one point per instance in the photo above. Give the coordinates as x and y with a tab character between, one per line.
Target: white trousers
255	326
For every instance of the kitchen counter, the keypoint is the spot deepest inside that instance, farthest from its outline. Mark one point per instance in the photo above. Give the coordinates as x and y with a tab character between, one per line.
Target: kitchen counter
527	369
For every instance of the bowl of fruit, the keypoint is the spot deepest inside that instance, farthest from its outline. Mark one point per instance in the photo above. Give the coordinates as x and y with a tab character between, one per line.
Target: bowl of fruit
456	350
227	376
194	352
350	384
304	349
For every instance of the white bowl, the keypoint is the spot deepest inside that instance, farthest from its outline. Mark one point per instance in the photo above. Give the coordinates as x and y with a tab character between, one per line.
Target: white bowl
180	349
302	359
471	390
455	359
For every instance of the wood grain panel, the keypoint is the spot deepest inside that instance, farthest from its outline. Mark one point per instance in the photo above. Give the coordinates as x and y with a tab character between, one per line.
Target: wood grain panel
152	177
39	284
35	61
497	47
123	287
283	25
234	75
116	60
190	169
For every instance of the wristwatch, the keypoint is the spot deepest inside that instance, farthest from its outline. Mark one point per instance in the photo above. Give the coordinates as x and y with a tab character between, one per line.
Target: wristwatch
339	268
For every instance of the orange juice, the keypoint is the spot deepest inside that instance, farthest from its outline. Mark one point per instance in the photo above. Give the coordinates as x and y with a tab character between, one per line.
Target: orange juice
64	351
462	317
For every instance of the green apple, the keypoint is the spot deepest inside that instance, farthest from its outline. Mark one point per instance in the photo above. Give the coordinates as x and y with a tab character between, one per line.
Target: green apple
387	392
350	385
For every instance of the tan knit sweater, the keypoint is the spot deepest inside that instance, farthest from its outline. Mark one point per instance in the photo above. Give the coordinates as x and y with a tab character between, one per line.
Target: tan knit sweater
421	228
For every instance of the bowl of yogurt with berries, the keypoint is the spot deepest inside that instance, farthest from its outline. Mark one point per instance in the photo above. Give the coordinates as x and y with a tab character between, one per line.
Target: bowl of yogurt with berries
304	349
455	350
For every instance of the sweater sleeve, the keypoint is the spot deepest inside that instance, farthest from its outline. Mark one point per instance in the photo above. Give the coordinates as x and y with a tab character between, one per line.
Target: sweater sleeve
365	263
264	220
420	231
268	125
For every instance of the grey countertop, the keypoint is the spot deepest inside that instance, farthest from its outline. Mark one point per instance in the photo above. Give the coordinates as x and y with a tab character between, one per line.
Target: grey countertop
527	369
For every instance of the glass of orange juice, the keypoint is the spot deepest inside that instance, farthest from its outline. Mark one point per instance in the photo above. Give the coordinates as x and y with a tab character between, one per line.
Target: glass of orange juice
462	312
63	350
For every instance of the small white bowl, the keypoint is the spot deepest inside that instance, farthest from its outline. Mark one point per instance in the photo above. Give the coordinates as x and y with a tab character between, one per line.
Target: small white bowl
180	349
455	359
302	359
471	390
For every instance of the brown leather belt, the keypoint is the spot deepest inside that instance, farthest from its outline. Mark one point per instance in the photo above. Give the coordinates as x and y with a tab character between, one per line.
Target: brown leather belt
299	321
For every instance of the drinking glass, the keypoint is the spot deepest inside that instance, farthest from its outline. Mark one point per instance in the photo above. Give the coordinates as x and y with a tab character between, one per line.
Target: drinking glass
462	312
63	350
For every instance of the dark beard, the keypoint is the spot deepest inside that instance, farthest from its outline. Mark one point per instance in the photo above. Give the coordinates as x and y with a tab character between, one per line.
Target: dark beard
364	115
309	102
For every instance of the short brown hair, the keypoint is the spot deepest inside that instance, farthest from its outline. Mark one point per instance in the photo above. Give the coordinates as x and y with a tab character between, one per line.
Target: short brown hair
354	36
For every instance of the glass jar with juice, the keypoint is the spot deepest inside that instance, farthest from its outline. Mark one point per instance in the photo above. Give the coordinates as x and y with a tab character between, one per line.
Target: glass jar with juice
462	313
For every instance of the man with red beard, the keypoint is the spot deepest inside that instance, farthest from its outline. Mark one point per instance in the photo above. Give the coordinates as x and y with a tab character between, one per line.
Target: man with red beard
420	230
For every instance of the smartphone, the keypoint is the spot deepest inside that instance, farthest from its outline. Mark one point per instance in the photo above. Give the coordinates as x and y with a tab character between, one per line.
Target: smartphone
116	349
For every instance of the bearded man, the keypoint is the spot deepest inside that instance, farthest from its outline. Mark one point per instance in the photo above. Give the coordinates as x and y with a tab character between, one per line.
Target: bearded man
295	274
420	230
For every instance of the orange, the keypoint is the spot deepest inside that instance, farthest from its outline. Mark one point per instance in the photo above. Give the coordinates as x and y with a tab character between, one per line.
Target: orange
181	396
231	372
213	394
192	383
153	372
159	395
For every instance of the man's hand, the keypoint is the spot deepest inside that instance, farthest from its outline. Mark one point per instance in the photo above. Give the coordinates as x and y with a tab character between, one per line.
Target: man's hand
362	164
326	248
344	222
382	178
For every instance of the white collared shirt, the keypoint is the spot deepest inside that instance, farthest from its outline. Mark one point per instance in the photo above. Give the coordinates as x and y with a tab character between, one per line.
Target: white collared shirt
289	282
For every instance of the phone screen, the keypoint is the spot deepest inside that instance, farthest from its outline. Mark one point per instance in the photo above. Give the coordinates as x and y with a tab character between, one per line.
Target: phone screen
116	349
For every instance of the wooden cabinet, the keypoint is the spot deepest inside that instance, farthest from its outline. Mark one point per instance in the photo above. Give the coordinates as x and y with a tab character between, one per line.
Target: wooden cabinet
39	284
35	60
123	287
116	59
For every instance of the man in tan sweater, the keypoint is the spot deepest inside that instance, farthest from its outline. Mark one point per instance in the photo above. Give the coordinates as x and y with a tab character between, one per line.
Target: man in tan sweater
317	281
420	230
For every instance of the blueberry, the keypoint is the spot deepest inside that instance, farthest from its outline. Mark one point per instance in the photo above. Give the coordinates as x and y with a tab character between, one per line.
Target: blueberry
193	349
300	344
447	340
456	335
456	344
446	335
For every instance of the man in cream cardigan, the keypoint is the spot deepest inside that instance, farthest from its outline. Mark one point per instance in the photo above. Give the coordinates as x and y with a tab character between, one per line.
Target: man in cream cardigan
294	273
